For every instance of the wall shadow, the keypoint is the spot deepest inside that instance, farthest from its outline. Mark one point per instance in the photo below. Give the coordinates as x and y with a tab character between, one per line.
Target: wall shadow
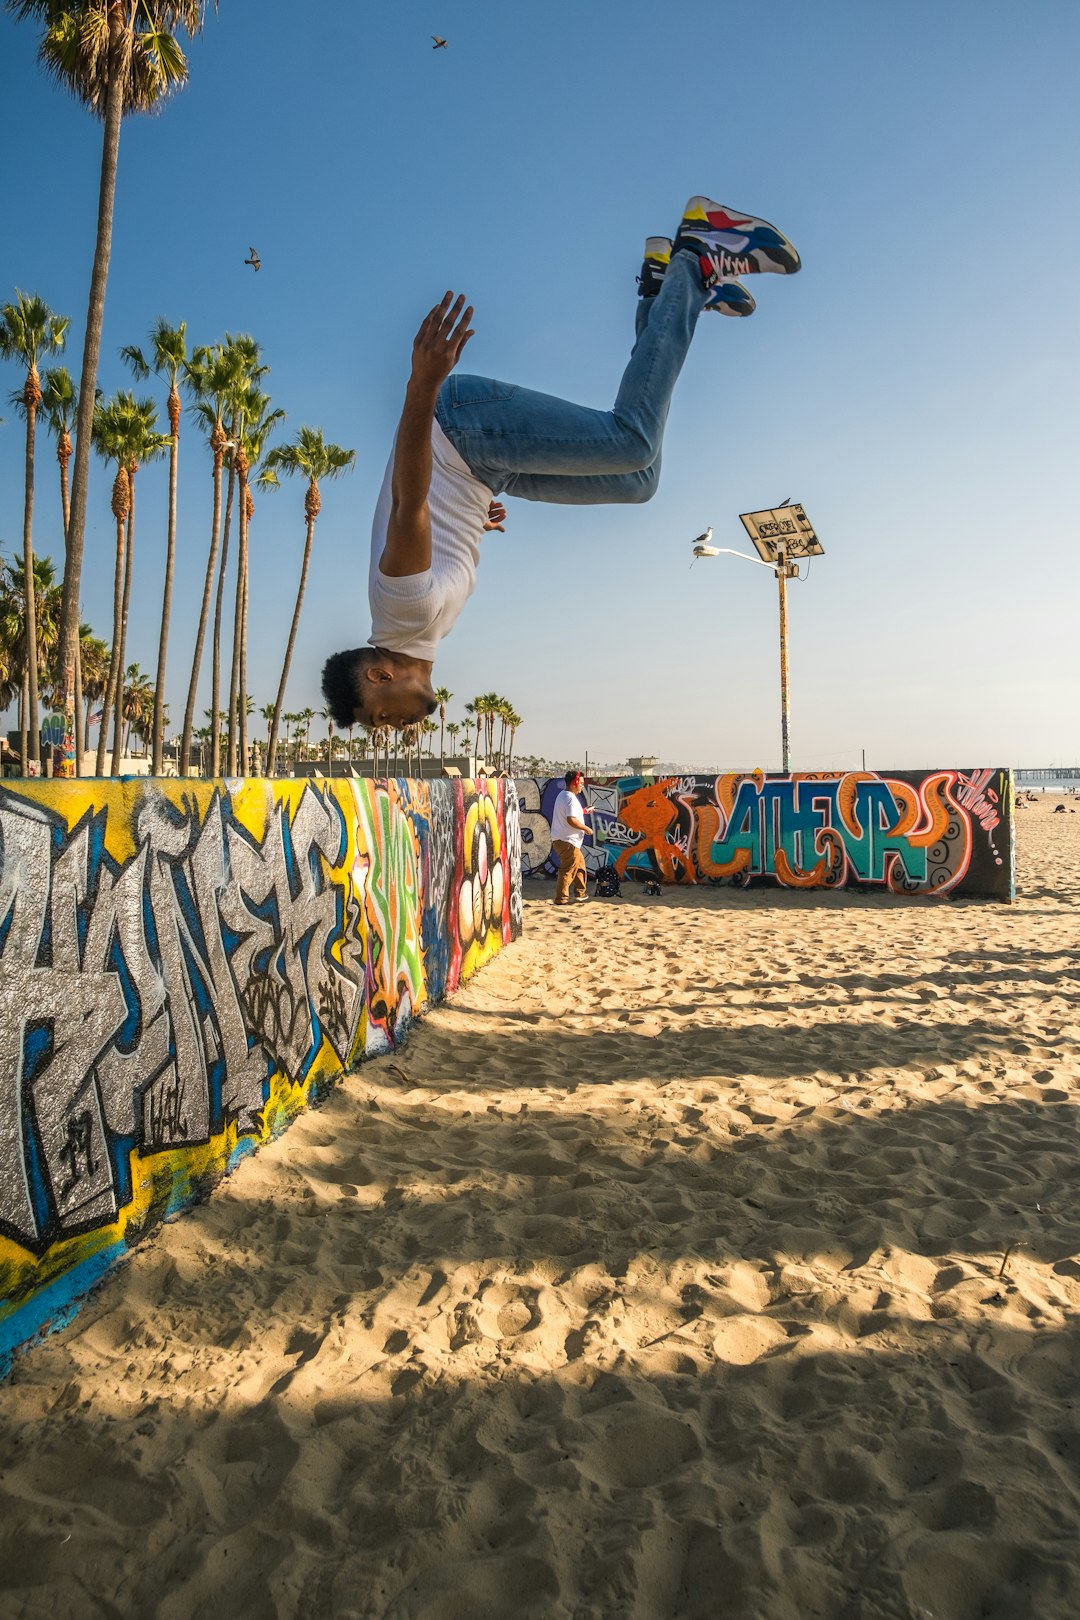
557	1362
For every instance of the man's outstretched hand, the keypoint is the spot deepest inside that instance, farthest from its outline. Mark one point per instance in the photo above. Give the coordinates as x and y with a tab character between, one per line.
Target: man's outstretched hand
440	340
496	517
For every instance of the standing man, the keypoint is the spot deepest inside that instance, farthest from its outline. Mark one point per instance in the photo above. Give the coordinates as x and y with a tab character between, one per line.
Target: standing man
462	441
568	831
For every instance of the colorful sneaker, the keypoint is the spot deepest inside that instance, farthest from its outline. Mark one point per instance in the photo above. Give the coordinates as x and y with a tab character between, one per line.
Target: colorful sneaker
726	296
741	244
729	297
657	259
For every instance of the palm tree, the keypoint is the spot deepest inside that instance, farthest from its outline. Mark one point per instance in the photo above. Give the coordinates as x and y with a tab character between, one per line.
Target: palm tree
126	429
213	731
12	632
244	353
59	403
168	358
290	720
256	420
117	57
307	716
513	720
453	728
442	697
28	330
108	443
470	716
48	591
491	709
308	457
202	737
480	707
212	374
137	703
327	715
92	670
15	660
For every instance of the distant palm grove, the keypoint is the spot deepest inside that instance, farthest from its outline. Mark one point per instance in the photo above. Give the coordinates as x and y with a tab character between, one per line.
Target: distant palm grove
120	57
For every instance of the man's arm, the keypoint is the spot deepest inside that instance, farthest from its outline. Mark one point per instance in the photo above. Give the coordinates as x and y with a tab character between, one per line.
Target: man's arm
436	351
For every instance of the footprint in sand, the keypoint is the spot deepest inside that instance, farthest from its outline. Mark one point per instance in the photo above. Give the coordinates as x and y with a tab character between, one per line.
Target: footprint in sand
507	1310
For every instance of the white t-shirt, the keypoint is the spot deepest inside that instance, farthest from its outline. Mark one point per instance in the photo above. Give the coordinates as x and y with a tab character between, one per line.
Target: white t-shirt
567	804
412	614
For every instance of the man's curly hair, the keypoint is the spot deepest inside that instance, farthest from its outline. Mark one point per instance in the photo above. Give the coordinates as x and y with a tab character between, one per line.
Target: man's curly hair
343	683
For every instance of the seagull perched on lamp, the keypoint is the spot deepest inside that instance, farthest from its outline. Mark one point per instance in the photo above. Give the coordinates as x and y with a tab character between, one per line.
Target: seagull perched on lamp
703	546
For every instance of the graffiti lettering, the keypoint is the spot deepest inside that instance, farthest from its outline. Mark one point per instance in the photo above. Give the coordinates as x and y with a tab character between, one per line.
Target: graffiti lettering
908	832
177	963
974	793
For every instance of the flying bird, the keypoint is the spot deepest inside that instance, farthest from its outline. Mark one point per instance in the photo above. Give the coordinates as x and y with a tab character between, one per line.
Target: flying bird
440	44
254	261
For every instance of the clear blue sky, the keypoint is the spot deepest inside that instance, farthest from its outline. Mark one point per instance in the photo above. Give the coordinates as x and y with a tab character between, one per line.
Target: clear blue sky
915	386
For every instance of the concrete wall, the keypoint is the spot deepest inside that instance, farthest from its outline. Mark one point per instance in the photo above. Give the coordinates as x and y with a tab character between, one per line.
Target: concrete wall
904	832
185	966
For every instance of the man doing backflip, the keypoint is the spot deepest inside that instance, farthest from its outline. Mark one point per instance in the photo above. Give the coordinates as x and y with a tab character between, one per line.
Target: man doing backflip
463	440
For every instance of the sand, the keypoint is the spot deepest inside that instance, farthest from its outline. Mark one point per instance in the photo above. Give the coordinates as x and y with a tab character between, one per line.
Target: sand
660	1274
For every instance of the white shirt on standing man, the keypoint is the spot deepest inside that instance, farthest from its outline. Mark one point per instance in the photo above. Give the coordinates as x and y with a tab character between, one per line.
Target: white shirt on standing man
568	815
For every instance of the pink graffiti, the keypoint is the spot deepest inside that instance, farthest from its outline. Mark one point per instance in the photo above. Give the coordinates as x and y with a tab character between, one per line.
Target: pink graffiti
976	795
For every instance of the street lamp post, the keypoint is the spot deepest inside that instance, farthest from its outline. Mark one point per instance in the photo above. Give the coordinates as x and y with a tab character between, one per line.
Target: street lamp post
780	535
783	570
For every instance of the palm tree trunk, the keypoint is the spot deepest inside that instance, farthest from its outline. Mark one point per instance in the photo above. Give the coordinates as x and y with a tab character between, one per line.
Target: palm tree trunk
63	456
235	698
292	643
243	664
208	585
170	556
34	729
215	681
118	727
108	695
24	705
68	648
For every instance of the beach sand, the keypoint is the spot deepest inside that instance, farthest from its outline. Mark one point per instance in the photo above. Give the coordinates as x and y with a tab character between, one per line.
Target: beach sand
659	1275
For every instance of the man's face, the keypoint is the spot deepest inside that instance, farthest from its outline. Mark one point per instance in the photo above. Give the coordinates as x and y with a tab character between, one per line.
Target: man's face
395	708
577	784
396	703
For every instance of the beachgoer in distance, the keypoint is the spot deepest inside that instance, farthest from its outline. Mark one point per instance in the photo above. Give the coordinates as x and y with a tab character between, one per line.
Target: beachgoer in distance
568	831
464	440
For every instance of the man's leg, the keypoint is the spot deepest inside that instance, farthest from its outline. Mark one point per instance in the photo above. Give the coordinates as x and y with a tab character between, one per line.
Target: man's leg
509	436
580	877
565	852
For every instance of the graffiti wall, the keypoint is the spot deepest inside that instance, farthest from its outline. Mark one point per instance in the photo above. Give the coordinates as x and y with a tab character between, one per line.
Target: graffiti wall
901	832
183	967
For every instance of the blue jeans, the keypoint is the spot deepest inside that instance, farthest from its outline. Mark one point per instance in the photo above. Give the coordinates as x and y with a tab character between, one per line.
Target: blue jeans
545	449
